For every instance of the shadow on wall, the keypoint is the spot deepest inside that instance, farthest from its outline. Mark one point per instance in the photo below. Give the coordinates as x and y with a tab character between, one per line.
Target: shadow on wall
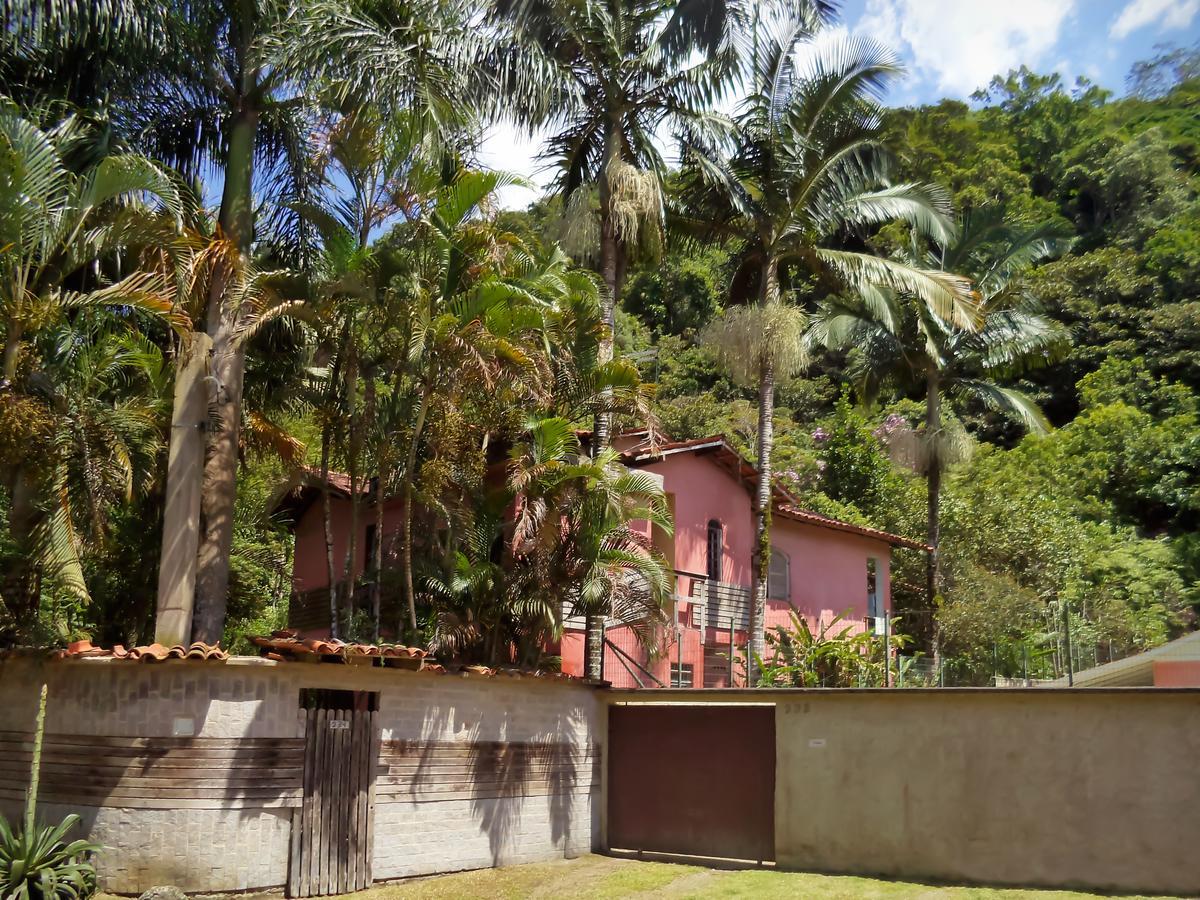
504	779
158	756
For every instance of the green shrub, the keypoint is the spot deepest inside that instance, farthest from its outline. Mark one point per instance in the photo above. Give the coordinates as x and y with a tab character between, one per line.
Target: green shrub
40	864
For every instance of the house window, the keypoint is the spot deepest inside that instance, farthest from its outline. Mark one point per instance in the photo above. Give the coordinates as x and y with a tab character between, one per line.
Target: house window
874	606
682	675
716	547
779	576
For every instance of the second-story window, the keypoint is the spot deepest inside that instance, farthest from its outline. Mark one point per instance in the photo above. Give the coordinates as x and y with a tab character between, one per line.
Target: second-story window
779	576
716	548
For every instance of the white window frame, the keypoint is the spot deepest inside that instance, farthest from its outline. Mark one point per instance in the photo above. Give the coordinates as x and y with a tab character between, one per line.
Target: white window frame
772	575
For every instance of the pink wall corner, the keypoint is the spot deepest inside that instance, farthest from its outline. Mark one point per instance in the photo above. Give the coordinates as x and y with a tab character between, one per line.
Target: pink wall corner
828	573
1177	673
702	490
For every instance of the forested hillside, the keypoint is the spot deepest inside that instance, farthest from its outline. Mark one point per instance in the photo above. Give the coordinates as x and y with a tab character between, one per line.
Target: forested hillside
1102	511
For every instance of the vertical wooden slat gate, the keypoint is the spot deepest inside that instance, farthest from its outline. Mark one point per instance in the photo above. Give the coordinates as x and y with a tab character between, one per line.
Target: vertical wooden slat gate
332	833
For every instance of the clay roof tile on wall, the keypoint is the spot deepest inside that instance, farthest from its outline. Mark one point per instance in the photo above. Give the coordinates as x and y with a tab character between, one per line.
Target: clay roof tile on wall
287	646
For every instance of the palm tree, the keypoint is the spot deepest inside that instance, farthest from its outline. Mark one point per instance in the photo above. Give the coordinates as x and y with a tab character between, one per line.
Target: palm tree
572	532
63	234
611	74
806	170
898	341
230	86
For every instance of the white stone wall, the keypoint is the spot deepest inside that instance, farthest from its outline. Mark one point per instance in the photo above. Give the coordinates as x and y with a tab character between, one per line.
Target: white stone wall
451	835
229	849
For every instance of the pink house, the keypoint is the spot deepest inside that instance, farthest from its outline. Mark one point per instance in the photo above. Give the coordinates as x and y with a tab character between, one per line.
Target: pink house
820	567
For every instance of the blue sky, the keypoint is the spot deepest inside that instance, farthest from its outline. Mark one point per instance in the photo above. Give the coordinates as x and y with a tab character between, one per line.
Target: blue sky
953	47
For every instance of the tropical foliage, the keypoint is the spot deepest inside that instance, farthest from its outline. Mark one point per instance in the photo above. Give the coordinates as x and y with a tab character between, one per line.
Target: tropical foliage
976	324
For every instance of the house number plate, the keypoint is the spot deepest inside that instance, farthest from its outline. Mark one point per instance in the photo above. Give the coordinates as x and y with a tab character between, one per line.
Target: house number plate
339	724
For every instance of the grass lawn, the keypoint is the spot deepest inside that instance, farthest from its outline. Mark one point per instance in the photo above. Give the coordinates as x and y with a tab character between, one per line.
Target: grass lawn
597	877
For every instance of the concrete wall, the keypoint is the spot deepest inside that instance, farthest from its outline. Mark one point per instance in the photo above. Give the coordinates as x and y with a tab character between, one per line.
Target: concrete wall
1093	789
241	843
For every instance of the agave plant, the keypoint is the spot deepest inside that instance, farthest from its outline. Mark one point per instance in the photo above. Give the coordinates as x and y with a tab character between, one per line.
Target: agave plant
41	863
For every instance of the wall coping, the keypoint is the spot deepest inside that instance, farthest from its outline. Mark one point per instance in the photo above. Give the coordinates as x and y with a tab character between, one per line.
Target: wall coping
745	694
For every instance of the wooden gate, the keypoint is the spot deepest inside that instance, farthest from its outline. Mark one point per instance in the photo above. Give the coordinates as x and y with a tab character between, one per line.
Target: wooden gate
693	780
332	832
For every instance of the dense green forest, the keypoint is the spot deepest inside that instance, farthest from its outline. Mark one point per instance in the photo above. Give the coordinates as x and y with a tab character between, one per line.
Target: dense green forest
976	324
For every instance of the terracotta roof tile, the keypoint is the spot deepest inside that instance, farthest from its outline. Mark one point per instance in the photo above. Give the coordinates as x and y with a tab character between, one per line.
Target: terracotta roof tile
287	646
147	653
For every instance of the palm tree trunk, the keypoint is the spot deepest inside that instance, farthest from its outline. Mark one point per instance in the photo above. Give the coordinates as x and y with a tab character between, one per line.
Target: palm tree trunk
327	516
12	345
377	560
406	492
219	491
611	252
18	582
354	447
760	560
933	426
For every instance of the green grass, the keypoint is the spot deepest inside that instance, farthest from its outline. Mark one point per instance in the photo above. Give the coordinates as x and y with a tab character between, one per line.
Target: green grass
599	878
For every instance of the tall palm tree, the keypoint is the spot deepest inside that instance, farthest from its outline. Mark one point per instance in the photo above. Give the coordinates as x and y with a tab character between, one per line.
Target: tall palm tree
230	87
612	73
805	172
899	341
63	235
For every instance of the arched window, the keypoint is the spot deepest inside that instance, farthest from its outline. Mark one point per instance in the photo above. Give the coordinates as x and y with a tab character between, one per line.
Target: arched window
779	576
716	549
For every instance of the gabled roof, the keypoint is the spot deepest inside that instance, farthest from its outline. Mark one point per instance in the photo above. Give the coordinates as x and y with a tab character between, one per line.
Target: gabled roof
303	488
1137	669
785	505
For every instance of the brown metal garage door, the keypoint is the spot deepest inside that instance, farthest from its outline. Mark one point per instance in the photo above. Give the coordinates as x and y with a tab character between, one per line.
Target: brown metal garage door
695	780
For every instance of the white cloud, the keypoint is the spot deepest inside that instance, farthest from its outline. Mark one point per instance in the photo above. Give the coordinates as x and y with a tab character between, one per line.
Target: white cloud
1166	14
508	149
959	46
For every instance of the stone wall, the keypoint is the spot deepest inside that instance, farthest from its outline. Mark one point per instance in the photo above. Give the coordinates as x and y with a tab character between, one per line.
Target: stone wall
233	831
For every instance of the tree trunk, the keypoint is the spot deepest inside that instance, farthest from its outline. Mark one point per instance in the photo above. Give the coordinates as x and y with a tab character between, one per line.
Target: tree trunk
354	447
760	561
933	427
611	253
377	560
18	585
176	597
406	492
219	491
12	347
375	563
327	516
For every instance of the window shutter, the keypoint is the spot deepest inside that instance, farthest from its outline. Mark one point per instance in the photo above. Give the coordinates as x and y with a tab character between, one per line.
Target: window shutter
779	576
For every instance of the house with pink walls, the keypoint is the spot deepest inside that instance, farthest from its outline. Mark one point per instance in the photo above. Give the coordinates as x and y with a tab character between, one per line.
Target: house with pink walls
821	568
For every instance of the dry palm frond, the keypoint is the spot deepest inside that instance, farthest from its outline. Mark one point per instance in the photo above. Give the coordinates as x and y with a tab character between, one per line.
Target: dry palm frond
919	451
580	231
637	201
746	336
